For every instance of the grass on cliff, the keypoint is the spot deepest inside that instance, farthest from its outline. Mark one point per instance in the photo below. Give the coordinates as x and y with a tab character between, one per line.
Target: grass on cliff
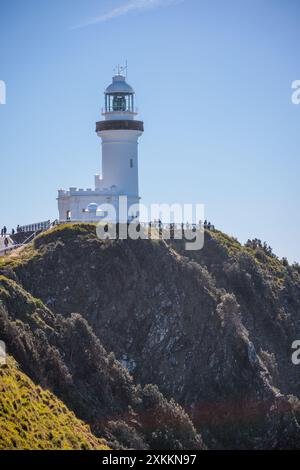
66	233
60	234
270	264
17	257
34	419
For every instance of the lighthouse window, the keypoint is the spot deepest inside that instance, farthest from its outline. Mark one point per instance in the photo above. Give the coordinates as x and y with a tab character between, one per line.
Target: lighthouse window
131	163
119	103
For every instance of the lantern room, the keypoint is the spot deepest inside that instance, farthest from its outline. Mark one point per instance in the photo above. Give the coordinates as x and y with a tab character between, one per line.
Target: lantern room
119	99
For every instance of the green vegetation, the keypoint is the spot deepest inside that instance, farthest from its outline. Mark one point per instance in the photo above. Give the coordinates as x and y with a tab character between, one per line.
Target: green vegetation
260	253
58	235
27	306
208	328
231	244
17	257
34	419
66	233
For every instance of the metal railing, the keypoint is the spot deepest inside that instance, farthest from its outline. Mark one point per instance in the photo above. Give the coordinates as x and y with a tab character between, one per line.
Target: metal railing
34	227
27	240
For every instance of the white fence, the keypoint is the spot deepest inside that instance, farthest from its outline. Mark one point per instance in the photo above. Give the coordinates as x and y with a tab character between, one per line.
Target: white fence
35	227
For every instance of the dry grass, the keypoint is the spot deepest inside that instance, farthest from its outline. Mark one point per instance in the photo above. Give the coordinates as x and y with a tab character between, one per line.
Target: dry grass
34	419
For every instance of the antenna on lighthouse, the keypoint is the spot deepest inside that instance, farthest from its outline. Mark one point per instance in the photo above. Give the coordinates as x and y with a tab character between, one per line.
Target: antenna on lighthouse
119	69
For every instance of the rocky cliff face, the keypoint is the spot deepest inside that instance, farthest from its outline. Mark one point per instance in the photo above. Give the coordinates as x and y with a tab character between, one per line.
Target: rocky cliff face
211	329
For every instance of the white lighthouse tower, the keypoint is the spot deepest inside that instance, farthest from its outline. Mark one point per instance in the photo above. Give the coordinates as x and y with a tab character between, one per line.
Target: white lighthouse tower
119	132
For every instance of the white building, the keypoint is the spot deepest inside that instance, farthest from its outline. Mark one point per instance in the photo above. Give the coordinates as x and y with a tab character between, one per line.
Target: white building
119	133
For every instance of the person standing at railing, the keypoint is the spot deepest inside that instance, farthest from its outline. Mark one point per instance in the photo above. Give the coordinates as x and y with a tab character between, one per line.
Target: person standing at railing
6	243
4	230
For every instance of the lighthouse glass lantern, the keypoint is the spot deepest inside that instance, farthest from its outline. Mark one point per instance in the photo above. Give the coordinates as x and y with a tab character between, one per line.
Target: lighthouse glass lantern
119	102
119	98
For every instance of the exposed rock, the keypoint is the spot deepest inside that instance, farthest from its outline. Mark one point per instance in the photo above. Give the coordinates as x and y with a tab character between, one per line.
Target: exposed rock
212	329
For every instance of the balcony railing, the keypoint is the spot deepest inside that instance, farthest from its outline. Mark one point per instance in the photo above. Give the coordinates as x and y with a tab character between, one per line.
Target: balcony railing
128	111
125	124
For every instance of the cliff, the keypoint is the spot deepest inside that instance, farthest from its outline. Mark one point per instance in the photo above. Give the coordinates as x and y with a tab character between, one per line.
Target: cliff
157	347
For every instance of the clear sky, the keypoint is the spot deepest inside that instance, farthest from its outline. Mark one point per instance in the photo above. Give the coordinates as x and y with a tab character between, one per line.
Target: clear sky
213	85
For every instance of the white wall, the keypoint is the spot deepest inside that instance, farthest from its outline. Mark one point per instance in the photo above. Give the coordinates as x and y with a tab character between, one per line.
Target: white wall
118	148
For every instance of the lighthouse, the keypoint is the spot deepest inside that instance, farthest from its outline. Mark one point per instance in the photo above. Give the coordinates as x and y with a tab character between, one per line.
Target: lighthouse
119	131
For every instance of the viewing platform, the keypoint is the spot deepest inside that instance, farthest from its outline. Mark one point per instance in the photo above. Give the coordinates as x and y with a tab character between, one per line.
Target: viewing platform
126	124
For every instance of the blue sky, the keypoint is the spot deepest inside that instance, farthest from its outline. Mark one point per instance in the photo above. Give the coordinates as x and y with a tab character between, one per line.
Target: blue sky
213	84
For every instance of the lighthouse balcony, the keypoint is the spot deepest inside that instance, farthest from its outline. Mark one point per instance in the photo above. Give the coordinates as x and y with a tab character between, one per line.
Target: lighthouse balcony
125	124
119	115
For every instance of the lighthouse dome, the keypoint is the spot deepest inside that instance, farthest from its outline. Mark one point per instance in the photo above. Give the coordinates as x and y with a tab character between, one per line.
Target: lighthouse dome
92	207
119	85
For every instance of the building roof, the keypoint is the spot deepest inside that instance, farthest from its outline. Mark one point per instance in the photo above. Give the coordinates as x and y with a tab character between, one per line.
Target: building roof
119	85
92	207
